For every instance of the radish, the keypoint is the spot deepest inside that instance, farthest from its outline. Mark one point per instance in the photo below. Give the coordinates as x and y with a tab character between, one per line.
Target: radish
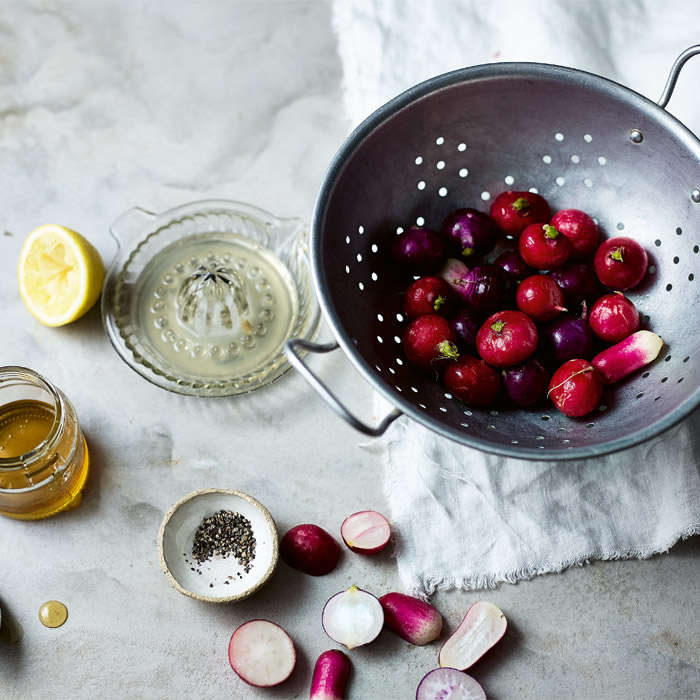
449	684
580	229
454	272
627	356
526	383
543	247
507	338
429	295
426	339
411	619
330	677
513	211
471	232
540	297
353	617
576	388
483	625
566	338
487	289
471	380
366	532
465	325
262	653
613	317
620	263
419	250
512	262
578	281
310	549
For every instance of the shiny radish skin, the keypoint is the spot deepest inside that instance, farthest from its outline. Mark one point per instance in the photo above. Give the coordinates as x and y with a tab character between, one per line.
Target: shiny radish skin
466	324
454	272
540	297
429	295
567	338
487	289
449	684
414	620
627	356
470	233
512	262
471	380
513	211
579	283
419	250
507	338
331	673
576	388
426	340
580	229
613	318
353	617
482	627
309	549
262	653
543	247
366	532
620	263
527	383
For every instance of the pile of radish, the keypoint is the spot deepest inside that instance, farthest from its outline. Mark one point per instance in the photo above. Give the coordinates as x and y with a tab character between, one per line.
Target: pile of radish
546	317
263	654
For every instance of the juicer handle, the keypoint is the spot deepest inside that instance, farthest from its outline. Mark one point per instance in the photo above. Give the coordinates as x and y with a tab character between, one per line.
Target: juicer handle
294	348
675	72
129	224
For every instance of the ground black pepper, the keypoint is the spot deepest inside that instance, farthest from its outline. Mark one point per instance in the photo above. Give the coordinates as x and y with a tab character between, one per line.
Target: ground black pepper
225	533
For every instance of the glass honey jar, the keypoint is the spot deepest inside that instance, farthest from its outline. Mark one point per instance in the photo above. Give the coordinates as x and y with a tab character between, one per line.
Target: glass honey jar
43	454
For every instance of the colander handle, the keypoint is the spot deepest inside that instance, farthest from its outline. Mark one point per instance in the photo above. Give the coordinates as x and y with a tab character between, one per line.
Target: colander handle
294	348
675	72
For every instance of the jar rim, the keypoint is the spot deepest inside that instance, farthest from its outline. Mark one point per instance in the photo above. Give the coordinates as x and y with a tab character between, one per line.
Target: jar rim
31	377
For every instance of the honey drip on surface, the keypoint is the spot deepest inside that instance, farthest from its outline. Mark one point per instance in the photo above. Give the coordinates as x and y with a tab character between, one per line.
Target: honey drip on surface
53	613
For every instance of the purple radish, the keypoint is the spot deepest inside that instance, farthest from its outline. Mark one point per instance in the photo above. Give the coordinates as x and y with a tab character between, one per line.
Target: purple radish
566	338
483	625
465	324
419	250
472	233
262	653
454	272
512	262
487	289
627	356
526	383
366	532
411	619
331	674
353	617
579	282
309	548
449	684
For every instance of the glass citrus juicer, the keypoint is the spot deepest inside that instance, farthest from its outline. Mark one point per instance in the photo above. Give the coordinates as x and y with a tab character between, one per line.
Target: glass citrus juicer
201	298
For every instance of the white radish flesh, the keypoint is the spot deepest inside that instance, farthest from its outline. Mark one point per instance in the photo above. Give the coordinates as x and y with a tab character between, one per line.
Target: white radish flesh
353	617
262	653
483	625
330	677
414	620
449	684
366	532
627	356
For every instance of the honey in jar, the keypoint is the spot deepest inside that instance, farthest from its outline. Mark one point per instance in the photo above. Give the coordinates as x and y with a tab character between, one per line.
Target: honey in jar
43	455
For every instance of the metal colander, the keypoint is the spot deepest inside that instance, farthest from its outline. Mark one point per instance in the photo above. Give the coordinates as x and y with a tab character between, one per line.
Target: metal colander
460	139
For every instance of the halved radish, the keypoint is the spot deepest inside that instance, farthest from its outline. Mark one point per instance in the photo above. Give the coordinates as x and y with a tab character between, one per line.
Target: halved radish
366	532
353	617
309	548
483	625
412	619
262	653
449	684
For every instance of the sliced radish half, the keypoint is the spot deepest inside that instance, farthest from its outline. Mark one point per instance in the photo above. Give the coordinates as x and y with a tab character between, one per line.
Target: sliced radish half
353	617
262	653
366	532
483	625
449	684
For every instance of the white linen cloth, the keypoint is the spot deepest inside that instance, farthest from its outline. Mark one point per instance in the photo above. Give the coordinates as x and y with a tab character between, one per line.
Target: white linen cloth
466	519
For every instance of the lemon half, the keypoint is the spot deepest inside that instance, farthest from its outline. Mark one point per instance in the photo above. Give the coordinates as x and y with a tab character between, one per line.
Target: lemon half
60	274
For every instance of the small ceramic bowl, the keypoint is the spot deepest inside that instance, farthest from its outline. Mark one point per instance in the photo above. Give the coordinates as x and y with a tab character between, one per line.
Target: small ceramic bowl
219	579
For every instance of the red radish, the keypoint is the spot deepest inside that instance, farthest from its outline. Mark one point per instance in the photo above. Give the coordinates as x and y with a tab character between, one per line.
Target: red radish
429	295
419	250
366	532
411	619
512	262
580	229
353	617
526	383
471	380
576	388
540	297
471	232
262	653
613	317
513	211
627	356
331	674
483	625
620	263
507	338
309	548
543	247
426	339
449	684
